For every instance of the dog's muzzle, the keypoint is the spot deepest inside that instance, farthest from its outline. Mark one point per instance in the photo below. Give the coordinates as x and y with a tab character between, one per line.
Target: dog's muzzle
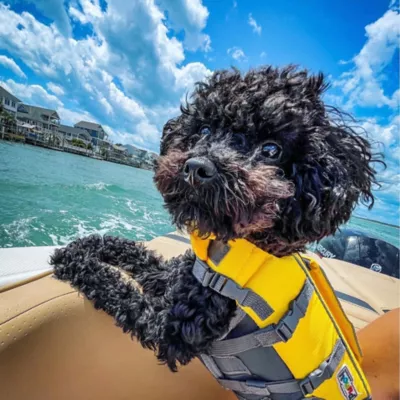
199	171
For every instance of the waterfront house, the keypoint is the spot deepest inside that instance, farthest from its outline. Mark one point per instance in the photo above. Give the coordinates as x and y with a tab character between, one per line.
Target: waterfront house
136	152
69	133
9	101
96	131
115	153
44	120
119	150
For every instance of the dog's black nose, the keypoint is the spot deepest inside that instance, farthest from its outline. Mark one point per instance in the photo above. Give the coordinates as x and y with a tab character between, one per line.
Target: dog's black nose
200	170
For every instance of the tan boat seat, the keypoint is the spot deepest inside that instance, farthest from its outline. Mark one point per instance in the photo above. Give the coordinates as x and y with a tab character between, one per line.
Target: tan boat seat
55	346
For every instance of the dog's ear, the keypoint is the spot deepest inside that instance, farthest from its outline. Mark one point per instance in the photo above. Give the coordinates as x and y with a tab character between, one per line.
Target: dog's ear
330	183
170	132
166	133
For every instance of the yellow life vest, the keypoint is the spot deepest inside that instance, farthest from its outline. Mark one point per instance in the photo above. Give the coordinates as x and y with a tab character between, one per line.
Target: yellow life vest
300	334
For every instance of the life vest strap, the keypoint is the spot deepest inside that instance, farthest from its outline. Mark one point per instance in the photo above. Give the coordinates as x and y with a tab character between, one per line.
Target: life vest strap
306	386
228	288
272	334
261	388
227	365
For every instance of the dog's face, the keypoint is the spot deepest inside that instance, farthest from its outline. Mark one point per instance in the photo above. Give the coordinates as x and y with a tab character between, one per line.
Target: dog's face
260	156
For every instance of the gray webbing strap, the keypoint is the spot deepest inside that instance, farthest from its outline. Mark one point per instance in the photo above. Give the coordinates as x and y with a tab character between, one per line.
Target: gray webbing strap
306	386
232	366
272	334
226	366
261	388
325	370
228	288
211	366
258	398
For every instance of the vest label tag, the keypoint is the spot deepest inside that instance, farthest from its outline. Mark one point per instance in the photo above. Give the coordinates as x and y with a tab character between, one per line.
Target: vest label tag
345	380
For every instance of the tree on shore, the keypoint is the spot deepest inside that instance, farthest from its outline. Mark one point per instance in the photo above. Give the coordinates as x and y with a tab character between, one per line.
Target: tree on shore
7	120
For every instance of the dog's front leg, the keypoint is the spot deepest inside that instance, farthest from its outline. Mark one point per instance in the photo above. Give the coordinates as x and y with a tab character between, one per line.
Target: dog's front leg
179	325
131	258
84	265
148	269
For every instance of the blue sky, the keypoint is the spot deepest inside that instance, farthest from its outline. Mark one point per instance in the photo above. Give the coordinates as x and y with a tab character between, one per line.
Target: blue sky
128	64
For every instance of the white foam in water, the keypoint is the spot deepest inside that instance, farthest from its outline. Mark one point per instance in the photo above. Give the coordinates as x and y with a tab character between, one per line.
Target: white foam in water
132	206
97	186
114	222
20	229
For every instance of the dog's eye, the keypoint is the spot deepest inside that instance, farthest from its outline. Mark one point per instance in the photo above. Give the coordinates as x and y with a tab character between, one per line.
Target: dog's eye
205	130
239	141
271	151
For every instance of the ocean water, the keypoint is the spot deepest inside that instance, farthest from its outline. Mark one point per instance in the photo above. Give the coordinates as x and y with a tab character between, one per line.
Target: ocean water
50	198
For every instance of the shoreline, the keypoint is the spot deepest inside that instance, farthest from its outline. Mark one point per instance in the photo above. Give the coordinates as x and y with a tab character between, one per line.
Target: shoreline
377	222
73	151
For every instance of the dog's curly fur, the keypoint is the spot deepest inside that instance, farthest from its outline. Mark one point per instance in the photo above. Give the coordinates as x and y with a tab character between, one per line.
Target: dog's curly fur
280	203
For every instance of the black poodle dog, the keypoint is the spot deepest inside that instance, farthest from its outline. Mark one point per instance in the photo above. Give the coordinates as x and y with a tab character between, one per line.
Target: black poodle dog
256	156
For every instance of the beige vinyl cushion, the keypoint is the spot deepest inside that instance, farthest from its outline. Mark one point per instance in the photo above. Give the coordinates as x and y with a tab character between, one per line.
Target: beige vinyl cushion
55	346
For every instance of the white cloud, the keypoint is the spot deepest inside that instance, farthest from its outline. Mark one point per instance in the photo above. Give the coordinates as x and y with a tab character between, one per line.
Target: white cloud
129	106
58	90
362	85
237	54
386	134
37	95
190	16
253	23
145	136
118	80
235	4
32	94
188	75
54	10
390	181
85	11
71	117
263	54
365	88
12	65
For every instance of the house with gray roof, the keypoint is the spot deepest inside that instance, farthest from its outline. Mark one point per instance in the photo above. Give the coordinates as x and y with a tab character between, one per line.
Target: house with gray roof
44	120
96	131
70	132
9	101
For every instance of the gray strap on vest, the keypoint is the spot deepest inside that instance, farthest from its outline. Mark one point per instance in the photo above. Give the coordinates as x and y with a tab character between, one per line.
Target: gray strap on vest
306	386
261	388
211	366
228	288
272	334
325	370
232	366
226	366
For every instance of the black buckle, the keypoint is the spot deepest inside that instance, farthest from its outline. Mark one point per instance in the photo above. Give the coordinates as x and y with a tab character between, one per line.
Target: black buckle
232	290
288	324
283	331
316	378
306	387
214	281
207	278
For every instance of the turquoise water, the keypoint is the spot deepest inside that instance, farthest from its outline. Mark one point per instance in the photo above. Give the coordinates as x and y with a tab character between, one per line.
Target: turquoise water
50	198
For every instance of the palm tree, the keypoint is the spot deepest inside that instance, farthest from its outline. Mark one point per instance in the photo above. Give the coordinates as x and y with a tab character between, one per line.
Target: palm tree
7	121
